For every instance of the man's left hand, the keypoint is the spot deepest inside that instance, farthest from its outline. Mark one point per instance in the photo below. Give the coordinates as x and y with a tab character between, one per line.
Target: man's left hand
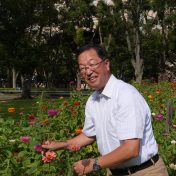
83	166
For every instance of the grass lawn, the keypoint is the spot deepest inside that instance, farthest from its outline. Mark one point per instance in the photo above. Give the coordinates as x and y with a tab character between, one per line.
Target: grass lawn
27	106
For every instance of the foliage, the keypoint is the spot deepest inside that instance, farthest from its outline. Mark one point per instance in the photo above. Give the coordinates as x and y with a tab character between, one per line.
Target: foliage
158	96
42	36
56	119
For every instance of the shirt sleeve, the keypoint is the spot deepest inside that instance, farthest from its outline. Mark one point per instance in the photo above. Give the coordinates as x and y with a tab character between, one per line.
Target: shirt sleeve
89	128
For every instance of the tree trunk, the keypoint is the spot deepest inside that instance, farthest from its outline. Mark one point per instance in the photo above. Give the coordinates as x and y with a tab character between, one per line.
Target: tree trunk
100	35
109	41
138	62
164	53
14	77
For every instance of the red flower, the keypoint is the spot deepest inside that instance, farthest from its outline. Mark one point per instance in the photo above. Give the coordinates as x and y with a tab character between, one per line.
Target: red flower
76	103
65	103
31	118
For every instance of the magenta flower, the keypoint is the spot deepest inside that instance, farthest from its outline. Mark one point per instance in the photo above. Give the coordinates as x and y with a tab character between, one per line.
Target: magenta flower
159	117
38	148
52	112
25	138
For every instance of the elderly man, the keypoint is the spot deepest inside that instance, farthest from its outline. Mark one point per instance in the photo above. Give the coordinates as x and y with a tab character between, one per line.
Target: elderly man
118	118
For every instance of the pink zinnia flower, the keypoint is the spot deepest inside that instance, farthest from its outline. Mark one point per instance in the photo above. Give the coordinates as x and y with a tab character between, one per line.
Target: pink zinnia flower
52	112
48	156
31	122
159	117
21	113
38	148
25	138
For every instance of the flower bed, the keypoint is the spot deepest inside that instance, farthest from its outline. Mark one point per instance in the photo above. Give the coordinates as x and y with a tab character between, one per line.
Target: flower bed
59	119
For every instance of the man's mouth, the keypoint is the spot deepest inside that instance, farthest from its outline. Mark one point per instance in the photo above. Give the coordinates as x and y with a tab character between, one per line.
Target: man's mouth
91	78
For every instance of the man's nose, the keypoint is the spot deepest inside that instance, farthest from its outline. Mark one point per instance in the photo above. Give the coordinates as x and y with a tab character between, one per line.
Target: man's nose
88	70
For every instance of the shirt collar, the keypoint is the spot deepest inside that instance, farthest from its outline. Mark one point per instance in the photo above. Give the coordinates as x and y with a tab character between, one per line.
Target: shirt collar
107	91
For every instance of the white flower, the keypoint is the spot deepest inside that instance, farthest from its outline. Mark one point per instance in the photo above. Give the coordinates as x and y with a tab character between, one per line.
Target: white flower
12	140
153	114
172	166
173	142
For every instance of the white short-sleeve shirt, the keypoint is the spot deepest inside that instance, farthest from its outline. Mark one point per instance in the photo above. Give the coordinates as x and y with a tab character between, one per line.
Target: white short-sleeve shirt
120	112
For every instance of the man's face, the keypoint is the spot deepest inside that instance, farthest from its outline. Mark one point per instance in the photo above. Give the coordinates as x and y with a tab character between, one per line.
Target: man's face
95	71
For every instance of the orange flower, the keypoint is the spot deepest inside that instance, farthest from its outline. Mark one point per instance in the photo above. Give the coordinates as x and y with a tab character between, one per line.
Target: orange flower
78	131
74	147
45	121
48	156
60	109
11	109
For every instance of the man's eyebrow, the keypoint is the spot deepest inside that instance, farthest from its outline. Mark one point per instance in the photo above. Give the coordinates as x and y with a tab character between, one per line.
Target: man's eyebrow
88	62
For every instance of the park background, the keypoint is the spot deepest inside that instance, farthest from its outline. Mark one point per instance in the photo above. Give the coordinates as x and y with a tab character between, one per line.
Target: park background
39	39
38	44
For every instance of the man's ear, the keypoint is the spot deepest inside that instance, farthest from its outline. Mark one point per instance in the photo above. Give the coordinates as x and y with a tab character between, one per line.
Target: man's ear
107	62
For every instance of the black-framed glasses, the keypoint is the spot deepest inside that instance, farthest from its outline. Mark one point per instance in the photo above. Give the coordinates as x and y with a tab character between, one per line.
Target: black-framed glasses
92	67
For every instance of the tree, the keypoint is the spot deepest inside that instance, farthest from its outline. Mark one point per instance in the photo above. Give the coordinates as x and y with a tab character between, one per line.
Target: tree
18	22
166	19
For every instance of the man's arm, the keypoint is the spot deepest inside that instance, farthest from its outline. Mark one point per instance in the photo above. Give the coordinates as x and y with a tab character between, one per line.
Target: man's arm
127	150
80	140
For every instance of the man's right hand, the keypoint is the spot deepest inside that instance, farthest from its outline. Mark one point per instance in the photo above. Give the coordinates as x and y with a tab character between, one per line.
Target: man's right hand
54	145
